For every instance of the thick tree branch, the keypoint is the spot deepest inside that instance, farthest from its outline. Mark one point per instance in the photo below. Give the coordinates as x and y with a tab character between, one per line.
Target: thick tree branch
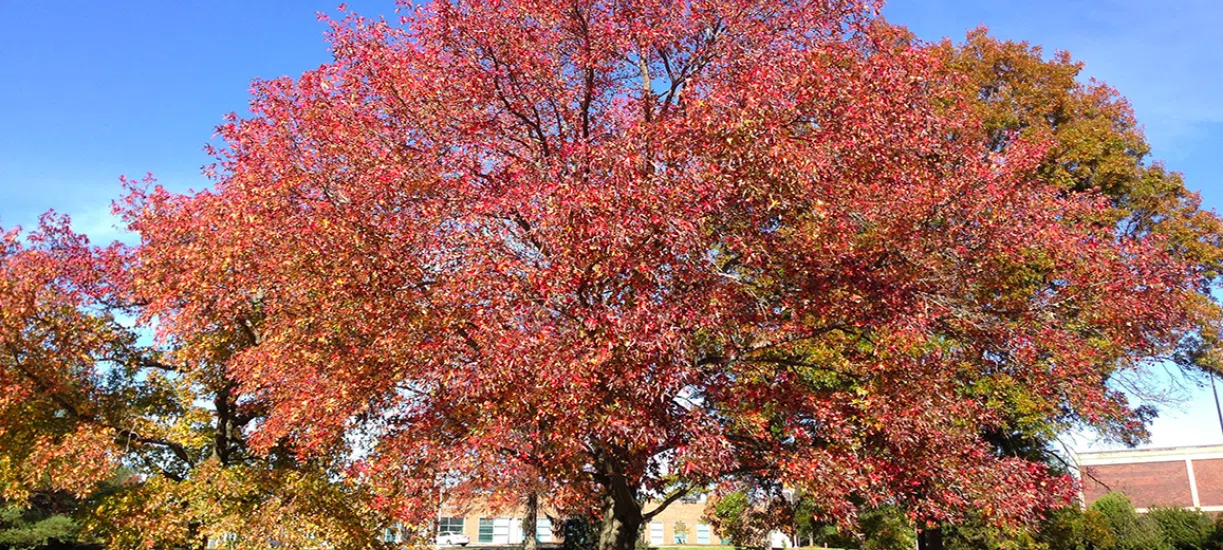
669	500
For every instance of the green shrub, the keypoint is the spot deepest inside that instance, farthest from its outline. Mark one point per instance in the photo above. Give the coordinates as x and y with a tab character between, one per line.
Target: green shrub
579	534
1071	528
830	536
22	528
887	529
1184	529
1130	531
974	533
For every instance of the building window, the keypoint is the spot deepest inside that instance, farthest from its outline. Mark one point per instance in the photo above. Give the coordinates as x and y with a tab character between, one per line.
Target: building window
507	531
486	531
543	530
656	533
679	533
224	540
450	525
702	533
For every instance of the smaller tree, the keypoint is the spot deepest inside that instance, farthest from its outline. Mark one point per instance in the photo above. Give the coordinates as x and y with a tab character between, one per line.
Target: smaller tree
736	519
1072	528
806	525
1130	531
26	528
975	534
681	532
887	528
748	518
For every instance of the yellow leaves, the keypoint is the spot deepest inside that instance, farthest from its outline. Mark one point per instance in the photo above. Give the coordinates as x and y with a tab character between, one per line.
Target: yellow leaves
12	488
185	430
243	506
147	514
73	462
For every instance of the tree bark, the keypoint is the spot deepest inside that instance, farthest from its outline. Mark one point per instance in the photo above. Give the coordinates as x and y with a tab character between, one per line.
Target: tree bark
622	517
530	522
930	539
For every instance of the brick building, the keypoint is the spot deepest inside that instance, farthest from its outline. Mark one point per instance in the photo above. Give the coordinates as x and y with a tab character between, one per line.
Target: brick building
661	531
679	524
1184	477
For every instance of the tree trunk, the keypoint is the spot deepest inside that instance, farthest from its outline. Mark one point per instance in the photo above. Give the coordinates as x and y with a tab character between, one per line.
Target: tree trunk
930	539
621	515
530	522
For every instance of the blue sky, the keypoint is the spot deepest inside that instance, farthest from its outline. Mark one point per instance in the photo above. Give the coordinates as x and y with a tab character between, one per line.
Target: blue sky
92	90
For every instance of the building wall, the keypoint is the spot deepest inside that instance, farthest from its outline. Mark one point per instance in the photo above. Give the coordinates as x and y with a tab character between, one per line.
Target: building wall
1209	477
1146	484
687	512
507	524
1187	477
690	514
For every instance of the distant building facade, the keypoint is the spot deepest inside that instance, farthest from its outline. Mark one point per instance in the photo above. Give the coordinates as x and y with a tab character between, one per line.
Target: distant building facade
1181	477
686	515
680	524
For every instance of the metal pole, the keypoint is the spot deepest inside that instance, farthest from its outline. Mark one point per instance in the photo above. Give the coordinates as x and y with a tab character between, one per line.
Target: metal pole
1218	410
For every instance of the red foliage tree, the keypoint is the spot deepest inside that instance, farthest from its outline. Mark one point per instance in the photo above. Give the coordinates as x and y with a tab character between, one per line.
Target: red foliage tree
636	247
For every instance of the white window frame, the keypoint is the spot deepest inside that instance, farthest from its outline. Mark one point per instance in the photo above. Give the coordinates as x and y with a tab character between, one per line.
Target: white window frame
543	529
703	533
447	524
656	533
501	530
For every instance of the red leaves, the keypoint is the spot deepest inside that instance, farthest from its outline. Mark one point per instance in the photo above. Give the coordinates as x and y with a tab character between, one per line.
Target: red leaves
524	241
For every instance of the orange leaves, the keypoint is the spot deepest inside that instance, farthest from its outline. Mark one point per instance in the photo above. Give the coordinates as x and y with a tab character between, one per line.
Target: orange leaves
75	462
567	246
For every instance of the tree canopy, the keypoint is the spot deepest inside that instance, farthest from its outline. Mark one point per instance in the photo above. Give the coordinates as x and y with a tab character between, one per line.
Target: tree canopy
83	397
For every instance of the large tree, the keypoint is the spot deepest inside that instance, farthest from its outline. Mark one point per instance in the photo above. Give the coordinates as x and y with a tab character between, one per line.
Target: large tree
634	247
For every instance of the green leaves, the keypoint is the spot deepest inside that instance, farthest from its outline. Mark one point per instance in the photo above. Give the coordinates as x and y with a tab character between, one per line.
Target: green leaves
23	529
